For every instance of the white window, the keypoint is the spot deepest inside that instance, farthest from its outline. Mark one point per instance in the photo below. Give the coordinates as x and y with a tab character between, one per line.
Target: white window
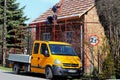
46	36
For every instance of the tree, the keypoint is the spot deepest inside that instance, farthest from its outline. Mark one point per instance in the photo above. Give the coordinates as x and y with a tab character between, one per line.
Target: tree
0	36
108	11
0	43
15	19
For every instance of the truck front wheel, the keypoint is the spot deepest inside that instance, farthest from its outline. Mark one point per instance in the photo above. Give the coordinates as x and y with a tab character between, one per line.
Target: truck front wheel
48	73
16	68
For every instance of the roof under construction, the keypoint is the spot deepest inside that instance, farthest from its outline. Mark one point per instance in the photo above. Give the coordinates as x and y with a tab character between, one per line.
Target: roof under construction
69	9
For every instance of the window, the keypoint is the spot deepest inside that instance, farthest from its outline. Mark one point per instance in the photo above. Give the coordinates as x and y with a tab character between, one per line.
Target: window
43	48
62	50
36	48
69	36
46	36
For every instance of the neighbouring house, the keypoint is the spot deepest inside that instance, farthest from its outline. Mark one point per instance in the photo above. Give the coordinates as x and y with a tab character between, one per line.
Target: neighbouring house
78	24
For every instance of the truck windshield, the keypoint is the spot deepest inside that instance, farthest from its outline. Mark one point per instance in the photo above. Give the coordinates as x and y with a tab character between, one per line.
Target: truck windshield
62	50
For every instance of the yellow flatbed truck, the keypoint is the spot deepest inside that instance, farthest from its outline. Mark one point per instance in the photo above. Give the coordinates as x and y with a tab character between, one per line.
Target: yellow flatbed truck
50	58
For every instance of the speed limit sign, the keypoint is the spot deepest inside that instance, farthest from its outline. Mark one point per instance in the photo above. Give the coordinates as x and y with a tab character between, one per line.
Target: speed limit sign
94	40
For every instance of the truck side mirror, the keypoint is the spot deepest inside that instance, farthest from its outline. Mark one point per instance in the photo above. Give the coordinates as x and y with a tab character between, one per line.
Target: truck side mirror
46	54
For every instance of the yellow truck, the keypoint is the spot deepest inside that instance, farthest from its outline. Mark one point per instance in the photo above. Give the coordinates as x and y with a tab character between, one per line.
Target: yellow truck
50	58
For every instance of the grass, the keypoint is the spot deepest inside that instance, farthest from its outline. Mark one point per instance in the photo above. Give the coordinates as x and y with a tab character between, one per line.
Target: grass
4	68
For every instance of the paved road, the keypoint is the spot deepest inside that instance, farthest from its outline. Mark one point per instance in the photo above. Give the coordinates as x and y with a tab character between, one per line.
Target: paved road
6	75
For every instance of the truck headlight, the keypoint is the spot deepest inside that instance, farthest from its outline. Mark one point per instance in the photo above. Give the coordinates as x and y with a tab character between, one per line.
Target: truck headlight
57	62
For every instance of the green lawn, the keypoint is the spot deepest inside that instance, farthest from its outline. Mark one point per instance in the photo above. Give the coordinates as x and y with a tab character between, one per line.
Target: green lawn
4	68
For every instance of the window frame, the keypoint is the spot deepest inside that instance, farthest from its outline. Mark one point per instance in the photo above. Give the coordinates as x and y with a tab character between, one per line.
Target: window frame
36	50
45	49
46	36
69	38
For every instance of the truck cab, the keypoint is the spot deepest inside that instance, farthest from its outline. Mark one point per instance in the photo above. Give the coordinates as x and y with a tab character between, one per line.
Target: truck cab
50	58
55	58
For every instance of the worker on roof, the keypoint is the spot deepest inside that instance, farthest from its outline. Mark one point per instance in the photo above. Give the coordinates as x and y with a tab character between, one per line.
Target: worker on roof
55	9
49	20
53	19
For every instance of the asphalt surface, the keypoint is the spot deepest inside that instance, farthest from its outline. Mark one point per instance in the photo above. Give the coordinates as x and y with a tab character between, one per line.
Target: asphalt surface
6	75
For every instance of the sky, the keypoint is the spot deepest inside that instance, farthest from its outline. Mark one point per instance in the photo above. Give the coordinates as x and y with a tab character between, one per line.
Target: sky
34	8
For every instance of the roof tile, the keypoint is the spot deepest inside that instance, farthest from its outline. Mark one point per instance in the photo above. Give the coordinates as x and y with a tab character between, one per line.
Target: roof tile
69	8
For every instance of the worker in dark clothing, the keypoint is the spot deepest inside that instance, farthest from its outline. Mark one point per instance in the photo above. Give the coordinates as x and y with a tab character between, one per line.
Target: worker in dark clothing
49	20
55	9
53	19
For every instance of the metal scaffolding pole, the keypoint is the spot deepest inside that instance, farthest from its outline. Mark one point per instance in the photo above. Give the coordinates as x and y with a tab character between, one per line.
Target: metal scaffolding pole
4	35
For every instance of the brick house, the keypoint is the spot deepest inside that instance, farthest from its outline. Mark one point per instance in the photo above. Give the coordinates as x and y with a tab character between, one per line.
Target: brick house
78	24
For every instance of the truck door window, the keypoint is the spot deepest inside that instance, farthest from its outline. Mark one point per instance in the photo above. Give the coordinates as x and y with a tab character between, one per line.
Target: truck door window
43	48
36	48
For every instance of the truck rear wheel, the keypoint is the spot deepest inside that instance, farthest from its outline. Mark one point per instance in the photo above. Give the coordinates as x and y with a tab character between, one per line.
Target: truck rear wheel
48	73
16	68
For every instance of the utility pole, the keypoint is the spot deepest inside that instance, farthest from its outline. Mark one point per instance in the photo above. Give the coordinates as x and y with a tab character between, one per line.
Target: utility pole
4	35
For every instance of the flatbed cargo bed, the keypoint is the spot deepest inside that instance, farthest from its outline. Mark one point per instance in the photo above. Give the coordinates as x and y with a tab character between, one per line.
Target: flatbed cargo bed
20	58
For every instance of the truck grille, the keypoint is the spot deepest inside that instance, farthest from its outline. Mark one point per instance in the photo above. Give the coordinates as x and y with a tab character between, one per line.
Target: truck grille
70	65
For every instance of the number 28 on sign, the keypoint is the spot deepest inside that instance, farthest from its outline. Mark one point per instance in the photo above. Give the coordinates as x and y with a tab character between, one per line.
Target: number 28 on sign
94	40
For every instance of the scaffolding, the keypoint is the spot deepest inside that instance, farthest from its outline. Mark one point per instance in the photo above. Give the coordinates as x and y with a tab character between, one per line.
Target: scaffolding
71	31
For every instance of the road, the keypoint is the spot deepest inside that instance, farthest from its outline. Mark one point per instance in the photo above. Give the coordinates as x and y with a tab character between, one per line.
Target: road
6	75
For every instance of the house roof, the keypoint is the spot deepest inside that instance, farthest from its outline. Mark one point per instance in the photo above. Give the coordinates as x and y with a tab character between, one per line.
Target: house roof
69	8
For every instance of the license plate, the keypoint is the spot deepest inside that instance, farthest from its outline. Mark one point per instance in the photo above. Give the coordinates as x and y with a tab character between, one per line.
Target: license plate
72	71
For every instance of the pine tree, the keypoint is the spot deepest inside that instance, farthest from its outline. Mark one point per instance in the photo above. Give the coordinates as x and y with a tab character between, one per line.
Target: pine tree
15	22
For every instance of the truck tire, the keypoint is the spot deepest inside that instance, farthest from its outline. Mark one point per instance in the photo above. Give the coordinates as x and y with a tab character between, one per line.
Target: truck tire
76	77
16	68
48	73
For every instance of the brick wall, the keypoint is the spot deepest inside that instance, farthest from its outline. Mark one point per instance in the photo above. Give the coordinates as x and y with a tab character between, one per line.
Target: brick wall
92	28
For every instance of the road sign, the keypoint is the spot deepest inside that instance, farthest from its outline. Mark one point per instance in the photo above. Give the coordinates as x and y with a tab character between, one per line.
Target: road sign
94	40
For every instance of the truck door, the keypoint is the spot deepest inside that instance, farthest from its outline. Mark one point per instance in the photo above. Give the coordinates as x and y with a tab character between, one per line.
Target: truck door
35	58
43	59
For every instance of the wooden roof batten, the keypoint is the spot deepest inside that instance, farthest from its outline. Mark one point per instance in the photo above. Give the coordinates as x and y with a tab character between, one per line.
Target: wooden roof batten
77	12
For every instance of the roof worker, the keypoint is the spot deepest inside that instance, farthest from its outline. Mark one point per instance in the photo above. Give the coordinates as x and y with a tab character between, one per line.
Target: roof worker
49	20
55	10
